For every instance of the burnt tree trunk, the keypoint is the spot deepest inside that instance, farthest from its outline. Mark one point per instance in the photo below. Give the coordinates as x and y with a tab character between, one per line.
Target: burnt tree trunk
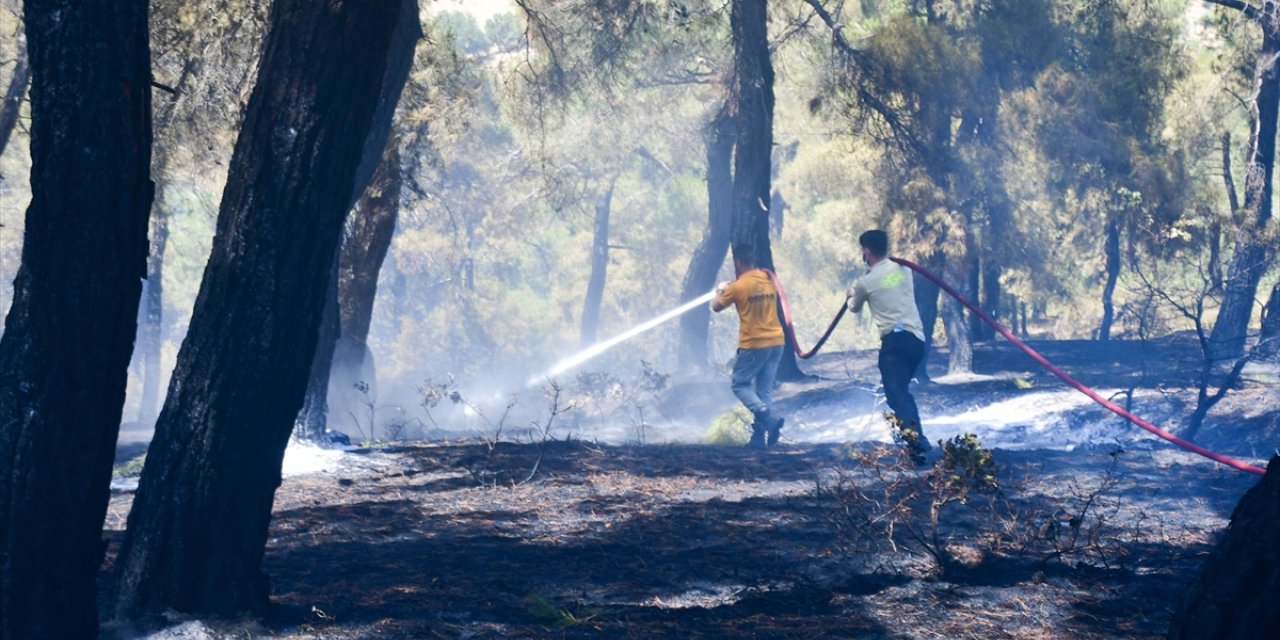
1252	254
65	352
599	266
710	253
198	527
13	95
151	317
1269	338
1236	591
752	110
373	223
752	99
926	294
1111	256
959	346
312	420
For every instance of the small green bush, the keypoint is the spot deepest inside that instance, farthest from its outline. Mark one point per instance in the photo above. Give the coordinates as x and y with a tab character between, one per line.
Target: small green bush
730	428
130	469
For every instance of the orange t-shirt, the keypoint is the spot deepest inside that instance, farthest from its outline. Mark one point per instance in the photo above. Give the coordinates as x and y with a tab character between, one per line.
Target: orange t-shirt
756	300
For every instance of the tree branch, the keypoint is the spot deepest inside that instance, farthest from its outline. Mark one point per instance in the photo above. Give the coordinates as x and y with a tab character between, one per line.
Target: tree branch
857	63
1249	10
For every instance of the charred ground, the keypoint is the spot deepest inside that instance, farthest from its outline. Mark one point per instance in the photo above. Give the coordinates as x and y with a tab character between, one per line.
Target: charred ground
464	539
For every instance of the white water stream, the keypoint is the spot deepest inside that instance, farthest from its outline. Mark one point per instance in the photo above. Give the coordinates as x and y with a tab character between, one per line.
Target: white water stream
600	347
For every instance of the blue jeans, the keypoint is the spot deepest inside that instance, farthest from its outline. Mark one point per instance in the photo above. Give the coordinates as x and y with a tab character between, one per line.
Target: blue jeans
754	375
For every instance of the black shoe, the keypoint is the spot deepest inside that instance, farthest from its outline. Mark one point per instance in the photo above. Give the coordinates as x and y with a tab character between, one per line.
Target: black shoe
757	439
775	430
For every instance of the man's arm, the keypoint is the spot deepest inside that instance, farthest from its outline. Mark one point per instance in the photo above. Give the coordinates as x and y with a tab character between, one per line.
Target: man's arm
857	296
724	297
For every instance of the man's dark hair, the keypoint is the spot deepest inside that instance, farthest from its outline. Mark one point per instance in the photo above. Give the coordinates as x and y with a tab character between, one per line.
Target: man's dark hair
875	240
745	255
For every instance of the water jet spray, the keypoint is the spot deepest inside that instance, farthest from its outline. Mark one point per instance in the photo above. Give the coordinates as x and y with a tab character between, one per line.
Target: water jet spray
600	347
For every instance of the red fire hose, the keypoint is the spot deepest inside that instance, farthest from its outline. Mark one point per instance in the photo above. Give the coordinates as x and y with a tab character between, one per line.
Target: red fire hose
1035	355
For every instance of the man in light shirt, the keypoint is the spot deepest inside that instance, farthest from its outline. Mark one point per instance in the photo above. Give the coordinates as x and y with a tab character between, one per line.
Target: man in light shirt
760	344
887	288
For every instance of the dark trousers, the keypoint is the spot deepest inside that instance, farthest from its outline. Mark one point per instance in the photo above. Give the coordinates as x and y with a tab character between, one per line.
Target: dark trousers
900	356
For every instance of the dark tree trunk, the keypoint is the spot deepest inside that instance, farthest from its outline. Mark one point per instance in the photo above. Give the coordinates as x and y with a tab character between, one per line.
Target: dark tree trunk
991	297
959	346
198	527
1236	591
926	293
1111	254
13	95
1252	253
957	325
312	420
974	267
65	353
752	97
1215	228
709	254
599	266
372	226
1269	339
151	329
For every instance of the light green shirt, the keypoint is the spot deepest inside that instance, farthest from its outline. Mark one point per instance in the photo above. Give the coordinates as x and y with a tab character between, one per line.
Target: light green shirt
888	289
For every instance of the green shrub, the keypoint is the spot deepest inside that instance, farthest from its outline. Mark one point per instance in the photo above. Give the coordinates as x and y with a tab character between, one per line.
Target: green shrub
730	428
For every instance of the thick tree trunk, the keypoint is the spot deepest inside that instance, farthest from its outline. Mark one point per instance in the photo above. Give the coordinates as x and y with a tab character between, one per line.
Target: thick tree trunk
313	418
372	226
13	95
752	97
959	346
69	334
1111	256
1253	254
974	268
198	527
1236	591
151	329
599	266
991	297
710	253
927	303
312	421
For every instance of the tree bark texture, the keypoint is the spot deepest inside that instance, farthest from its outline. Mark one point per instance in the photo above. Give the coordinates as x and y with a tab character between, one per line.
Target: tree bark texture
1236	591
599	266
752	100
1269	338
198	526
1252	254
151	317
1111	258
13	96
373	223
65	352
926	293
710	253
312	420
